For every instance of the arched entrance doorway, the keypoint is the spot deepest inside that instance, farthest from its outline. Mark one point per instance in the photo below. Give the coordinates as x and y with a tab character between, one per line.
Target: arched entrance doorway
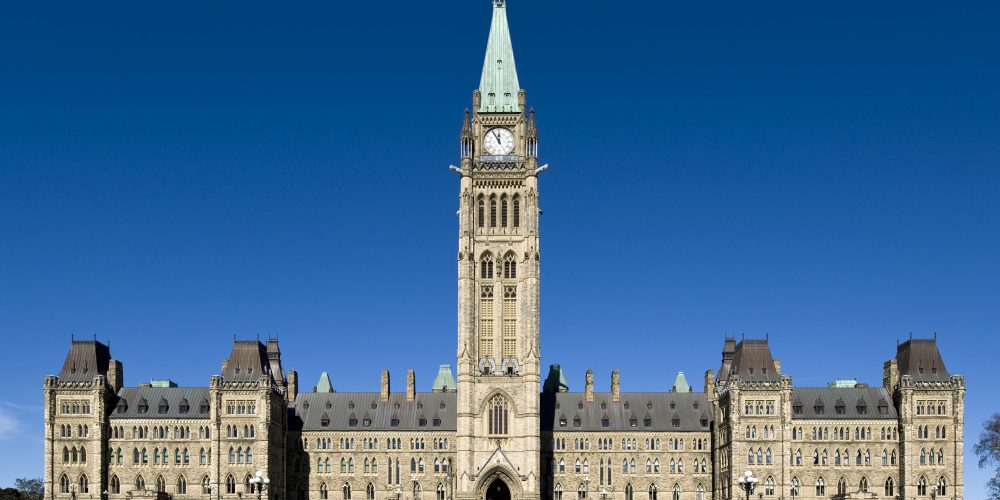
497	490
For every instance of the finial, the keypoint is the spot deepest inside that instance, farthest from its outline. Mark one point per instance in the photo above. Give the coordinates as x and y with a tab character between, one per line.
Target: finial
498	3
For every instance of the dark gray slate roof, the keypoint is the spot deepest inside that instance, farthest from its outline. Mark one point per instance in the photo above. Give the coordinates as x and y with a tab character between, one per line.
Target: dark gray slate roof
662	408
312	409
753	362
130	398
921	359
85	360
248	362
850	398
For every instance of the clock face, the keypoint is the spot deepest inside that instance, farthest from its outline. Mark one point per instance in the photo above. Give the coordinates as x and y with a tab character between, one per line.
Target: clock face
499	141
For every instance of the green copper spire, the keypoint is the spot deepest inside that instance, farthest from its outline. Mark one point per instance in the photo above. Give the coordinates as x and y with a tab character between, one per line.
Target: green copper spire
324	384
498	86
681	383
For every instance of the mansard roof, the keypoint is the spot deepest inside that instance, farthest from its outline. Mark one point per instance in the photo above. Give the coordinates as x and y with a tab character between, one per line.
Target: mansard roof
126	405
306	413
850	398
248	362
661	408
86	359
921	359
753	362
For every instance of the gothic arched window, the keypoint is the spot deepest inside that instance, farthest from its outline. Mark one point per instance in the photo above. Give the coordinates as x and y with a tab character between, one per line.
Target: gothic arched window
503	211
481	219
498	416
486	267
493	211
510	267
517	211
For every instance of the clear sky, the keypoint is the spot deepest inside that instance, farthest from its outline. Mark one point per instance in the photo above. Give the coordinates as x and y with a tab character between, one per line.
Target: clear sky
176	173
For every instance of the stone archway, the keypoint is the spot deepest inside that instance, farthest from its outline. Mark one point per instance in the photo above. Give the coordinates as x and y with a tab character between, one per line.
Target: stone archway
497	490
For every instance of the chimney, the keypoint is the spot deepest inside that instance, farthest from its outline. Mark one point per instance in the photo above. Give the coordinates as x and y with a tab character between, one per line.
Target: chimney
293	385
615	388
710	384
384	390
116	375
411	386
777	367
225	365
589	387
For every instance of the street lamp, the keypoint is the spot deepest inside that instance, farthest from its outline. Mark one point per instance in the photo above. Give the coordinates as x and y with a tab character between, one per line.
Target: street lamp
748	483
398	492
259	483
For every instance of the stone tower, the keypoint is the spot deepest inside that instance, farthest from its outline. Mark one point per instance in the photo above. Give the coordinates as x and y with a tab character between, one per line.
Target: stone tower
498	285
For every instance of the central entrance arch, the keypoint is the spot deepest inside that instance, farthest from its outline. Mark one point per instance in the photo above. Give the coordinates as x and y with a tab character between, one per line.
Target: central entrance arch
497	490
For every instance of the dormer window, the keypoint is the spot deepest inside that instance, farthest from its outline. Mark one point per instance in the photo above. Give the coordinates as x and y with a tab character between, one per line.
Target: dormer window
604	405
367	422
184	408
797	409
704	422
203	408
633	422
605	422
675	422
352	422
324	420
350	405
840	409
436	422
579	405
818	409
143	407
122	406
649	405
626	405
562	421
577	422
374	405
647	422
394	422
862	410
163	407
422	422
673	406
883	409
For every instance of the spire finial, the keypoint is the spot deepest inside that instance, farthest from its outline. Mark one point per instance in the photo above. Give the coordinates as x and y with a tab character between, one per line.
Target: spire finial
498	85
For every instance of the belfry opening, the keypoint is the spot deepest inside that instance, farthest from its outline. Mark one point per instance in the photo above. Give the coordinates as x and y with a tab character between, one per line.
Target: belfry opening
497	490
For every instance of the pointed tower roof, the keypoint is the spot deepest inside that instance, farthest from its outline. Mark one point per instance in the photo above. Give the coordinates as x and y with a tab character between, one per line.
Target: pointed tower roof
324	384
445	381
556	381
681	383
498	85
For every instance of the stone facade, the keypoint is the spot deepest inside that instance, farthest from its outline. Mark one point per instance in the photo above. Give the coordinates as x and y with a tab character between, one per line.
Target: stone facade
491	434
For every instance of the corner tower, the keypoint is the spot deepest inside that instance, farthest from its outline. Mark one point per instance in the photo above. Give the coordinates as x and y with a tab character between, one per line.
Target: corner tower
498	284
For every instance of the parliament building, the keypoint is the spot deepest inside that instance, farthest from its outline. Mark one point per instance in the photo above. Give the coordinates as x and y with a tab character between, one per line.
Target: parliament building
501	428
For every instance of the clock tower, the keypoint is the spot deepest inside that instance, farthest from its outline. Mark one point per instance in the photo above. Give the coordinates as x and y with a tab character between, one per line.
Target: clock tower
498	285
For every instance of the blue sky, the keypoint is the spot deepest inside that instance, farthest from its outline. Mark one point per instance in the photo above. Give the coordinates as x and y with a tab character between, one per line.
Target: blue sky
173	174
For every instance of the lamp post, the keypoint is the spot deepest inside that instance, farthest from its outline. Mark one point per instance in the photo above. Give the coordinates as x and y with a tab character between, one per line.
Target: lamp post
259	483
748	483
398	492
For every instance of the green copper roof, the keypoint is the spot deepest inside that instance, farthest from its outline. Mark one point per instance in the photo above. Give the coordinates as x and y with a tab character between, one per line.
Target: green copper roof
498	86
324	384
843	383
556	381
681	383
445	381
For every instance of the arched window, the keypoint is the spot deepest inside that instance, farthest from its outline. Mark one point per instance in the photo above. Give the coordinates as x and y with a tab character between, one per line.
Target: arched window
923	456
629	492
498	416
161	485
676	493
517	211
230	485
557	492
84	484
440	491
503	211
206	485
374	466
863	485
182	486
324	492
249	455
652	492
769	486
795	487
493	211
581	492
890	487
116	485
420	465
370	492
768	457
942	486
922	486
842	486
481	219
510	266
486	267
820	487
416	491
346	490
